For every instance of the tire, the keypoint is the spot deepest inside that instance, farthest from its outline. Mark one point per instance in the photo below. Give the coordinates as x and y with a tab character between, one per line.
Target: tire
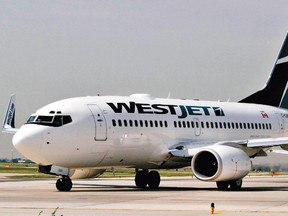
64	184
222	185
141	179
153	179
236	185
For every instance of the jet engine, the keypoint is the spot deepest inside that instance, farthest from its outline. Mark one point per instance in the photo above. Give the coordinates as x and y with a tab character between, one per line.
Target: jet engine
220	163
85	173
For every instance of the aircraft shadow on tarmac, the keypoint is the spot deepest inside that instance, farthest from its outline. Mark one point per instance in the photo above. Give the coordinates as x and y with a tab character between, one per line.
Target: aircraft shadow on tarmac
82	187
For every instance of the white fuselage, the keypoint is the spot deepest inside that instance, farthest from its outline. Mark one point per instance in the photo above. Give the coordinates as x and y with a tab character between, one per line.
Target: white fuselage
139	130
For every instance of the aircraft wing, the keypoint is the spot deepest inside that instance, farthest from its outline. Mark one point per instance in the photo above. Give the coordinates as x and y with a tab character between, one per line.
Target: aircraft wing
278	151
267	142
189	149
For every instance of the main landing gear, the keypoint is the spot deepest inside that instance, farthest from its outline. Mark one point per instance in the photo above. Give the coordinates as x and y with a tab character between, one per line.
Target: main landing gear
64	184
144	178
234	185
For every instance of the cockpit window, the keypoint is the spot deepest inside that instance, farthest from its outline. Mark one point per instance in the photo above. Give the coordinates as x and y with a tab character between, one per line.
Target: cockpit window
53	121
31	119
44	119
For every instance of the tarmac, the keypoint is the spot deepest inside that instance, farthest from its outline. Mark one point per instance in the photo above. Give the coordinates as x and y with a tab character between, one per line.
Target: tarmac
118	196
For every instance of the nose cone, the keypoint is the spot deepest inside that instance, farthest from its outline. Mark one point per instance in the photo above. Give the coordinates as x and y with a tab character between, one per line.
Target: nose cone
28	140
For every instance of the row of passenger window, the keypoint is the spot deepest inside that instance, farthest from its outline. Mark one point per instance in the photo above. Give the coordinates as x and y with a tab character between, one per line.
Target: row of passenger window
192	124
139	123
224	125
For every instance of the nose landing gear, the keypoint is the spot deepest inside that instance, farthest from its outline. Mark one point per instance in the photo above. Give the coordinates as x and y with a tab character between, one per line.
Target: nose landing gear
64	184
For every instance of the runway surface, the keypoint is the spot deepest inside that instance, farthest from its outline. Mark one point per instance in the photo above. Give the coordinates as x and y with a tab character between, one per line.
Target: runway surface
176	196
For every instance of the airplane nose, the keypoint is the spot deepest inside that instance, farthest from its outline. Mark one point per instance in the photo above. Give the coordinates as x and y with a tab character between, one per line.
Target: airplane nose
27	141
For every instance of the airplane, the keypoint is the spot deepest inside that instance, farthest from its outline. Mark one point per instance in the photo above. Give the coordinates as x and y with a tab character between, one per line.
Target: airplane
81	137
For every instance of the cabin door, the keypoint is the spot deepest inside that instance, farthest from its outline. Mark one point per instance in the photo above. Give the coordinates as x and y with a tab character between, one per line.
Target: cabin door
99	121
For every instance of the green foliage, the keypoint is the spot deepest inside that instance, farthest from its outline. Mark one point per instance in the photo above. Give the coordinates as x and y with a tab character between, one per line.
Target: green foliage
130	172
24	171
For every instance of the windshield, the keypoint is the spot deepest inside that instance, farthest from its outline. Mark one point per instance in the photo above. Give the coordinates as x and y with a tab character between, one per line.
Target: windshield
53	121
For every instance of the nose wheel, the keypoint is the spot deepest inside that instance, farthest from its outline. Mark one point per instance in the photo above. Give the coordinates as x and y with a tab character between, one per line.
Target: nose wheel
144	178
64	184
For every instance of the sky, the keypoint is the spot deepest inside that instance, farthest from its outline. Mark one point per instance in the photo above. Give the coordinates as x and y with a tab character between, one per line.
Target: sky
209	50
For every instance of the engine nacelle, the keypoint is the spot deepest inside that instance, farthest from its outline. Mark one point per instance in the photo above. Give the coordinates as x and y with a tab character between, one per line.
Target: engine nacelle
220	163
85	173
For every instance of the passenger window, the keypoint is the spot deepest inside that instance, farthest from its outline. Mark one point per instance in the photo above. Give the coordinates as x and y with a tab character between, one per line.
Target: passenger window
184	124
156	124
192	124
212	124
202	124
166	124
